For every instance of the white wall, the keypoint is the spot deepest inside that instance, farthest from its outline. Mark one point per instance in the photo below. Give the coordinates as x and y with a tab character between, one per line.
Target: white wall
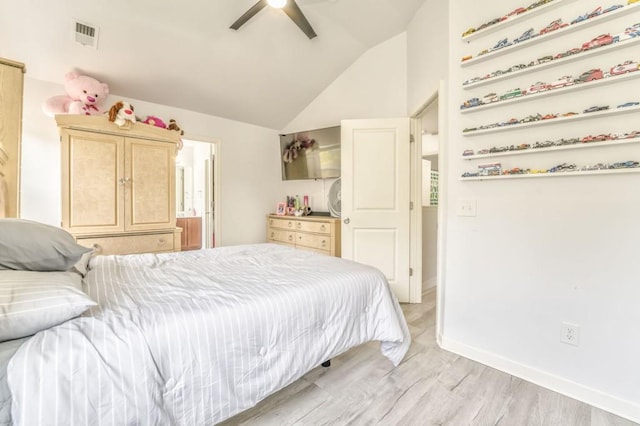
544	251
427	60
248	158
375	86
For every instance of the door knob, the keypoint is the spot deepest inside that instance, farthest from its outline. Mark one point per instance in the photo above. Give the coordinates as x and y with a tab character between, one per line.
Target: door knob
346	221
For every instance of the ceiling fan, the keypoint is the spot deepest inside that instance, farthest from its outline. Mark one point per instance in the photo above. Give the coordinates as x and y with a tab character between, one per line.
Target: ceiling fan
288	6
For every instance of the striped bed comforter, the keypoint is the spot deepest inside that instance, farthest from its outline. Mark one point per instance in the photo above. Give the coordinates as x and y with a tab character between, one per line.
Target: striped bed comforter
193	338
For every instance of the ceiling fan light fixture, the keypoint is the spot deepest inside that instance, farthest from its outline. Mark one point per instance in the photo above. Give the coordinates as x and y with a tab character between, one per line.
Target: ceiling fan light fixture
278	4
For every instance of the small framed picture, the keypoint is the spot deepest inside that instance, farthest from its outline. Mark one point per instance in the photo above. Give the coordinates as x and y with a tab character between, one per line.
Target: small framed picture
281	209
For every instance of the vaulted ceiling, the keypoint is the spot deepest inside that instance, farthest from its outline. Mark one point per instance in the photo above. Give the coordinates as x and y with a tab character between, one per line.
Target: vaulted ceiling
185	55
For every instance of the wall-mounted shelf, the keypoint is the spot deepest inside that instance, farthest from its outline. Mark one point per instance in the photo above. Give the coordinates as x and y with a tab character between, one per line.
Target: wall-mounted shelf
556	174
553	63
514	20
559	91
553	34
582	116
585	145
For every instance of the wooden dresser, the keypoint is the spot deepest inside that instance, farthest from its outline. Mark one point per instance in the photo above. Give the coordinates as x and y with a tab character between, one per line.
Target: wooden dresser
316	233
191	232
118	185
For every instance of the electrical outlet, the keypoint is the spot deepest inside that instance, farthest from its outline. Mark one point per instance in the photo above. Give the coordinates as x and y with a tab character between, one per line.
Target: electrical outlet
467	207
570	334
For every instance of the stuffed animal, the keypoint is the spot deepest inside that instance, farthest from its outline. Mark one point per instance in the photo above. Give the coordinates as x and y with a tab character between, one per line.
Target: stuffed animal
121	113
155	121
174	126
84	96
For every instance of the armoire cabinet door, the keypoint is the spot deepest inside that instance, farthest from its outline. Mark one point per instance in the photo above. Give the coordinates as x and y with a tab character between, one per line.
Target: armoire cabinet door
150	190
92	182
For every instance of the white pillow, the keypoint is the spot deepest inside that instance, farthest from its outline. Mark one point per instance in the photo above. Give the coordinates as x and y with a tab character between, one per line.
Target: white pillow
34	301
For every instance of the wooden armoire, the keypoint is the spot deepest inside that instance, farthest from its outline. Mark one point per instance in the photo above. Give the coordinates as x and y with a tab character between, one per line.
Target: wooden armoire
11	88
118	185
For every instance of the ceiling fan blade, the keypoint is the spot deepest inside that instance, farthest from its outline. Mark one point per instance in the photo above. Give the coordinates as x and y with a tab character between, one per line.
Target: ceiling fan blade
249	14
298	17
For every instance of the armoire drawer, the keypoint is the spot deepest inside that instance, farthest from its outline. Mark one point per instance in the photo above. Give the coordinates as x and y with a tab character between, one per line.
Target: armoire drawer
146	243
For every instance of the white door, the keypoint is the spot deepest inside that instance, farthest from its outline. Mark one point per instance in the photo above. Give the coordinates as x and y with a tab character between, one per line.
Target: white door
376	196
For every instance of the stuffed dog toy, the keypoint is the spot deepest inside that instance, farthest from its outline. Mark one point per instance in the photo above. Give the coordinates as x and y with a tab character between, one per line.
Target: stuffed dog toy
121	113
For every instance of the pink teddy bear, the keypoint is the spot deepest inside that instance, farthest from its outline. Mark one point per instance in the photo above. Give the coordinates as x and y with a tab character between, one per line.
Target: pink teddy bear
84	95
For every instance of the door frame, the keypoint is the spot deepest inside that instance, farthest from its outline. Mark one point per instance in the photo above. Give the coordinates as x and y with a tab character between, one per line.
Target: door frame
216	179
440	96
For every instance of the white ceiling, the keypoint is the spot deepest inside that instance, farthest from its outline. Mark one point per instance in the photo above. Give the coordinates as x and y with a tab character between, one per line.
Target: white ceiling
183	54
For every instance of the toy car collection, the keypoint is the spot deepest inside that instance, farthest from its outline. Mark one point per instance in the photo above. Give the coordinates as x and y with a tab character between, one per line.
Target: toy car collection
538	87
553	25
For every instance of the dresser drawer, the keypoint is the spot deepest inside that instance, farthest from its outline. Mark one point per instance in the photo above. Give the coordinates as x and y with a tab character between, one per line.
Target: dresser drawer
315	227
322	242
129	244
281	236
282	223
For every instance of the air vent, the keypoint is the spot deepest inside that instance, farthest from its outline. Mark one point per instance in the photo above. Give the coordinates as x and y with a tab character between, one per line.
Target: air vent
85	34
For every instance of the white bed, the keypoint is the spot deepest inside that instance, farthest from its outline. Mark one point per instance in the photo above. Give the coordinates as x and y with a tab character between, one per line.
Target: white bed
193	338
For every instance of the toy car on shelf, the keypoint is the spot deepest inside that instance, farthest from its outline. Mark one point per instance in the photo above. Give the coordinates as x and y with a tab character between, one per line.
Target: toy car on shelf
545	144
467	152
564	167
473	102
567	53
592	74
538	3
537	87
631	135
483	152
483	52
466	58
513	93
515	12
489	98
628	33
596	108
569	114
571	141
563	81
516	67
612	8
488	24
529	119
553	25
625	165
470	174
468	32
628	104
471	81
549	116
500	44
530	33
623	68
541	60
601	40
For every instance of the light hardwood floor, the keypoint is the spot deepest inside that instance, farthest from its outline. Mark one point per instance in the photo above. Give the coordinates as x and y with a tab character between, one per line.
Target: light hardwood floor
430	387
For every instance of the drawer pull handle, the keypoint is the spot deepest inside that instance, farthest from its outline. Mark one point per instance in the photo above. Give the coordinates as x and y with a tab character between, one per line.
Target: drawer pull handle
161	241
322	227
97	248
298	225
324	243
273	234
290	224
290	237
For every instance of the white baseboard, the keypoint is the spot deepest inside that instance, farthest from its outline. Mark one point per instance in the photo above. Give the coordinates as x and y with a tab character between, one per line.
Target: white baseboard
430	283
596	398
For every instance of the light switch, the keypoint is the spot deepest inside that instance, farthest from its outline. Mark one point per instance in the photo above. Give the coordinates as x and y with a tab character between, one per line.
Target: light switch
467	207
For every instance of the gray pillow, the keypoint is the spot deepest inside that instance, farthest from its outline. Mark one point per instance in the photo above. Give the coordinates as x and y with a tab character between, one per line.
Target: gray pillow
31	246
34	301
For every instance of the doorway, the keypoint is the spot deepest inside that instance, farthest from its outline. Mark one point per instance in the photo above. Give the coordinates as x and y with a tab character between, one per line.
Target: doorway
197	189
